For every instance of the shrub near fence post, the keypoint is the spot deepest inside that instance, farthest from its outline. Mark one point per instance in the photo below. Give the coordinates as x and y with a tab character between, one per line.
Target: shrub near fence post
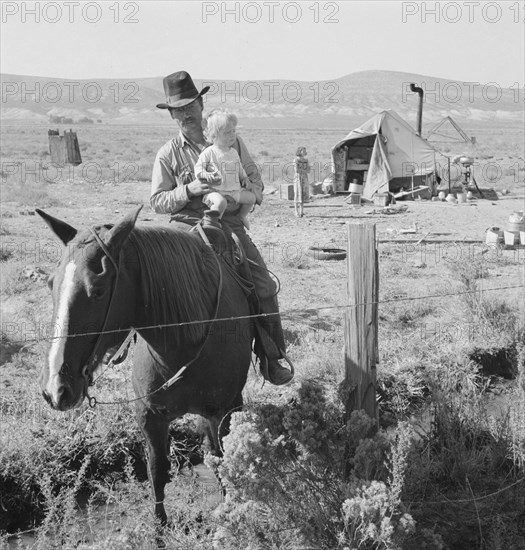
361	346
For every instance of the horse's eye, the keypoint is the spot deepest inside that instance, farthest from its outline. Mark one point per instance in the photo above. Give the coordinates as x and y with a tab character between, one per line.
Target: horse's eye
96	292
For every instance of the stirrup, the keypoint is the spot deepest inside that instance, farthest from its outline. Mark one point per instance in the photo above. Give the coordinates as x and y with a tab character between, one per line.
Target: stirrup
288	360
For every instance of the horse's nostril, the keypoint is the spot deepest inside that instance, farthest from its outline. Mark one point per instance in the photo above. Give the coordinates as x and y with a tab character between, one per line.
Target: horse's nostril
62	395
47	397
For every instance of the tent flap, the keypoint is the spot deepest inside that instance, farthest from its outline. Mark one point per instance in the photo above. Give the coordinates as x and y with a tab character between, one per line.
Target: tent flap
379	173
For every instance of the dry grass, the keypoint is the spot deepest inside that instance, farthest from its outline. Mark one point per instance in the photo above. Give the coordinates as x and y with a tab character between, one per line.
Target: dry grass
425	373
12	281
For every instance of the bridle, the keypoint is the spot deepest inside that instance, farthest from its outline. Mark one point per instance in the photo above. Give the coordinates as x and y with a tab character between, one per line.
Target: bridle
87	370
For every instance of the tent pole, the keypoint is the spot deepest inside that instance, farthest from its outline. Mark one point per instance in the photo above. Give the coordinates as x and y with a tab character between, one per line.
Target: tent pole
448	158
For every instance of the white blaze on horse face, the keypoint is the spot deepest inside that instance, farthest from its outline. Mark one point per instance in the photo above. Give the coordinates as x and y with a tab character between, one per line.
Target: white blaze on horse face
56	353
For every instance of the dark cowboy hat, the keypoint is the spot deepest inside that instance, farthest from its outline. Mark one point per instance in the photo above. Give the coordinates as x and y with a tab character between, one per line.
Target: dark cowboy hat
180	90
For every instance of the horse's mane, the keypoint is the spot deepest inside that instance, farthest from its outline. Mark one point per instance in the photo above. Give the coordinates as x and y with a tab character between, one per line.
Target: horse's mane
179	279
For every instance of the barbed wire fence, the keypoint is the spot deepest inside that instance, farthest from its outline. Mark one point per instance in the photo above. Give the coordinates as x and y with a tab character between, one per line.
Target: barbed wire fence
287	314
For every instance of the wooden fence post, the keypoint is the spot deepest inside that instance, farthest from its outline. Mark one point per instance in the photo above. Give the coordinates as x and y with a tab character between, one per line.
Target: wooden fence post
361	346
64	149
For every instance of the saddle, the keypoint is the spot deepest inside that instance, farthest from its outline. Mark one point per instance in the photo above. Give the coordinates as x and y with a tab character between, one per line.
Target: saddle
228	246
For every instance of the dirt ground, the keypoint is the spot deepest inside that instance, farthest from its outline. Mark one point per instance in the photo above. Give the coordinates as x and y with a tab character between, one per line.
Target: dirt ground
450	232
418	241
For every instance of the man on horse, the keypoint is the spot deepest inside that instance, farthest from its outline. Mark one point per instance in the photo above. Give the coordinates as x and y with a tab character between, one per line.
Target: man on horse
176	191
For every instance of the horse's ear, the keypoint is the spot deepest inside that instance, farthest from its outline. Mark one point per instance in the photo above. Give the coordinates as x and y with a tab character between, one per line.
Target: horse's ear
119	233
61	229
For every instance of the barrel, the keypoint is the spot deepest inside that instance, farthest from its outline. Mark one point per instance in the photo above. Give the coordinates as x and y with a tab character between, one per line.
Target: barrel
494	235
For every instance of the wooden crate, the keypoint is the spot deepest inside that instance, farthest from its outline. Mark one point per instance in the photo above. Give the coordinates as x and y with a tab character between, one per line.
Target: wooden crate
381	199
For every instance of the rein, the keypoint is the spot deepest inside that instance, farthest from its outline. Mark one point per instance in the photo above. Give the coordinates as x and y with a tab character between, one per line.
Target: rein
178	375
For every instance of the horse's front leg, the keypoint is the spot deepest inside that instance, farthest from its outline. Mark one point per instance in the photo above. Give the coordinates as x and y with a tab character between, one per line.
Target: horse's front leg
219	424
155	427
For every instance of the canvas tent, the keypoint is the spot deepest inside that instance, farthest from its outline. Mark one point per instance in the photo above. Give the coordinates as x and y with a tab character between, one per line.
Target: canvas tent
384	154
447	130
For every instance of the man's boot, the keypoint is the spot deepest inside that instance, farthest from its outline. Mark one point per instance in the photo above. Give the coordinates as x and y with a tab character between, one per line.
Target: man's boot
270	367
267	339
269	343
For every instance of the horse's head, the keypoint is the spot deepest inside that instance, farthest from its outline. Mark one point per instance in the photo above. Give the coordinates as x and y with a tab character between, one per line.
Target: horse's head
83	286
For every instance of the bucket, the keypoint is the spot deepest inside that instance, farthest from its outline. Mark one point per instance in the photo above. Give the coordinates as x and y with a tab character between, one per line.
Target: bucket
355	188
461	197
516	222
510	238
493	235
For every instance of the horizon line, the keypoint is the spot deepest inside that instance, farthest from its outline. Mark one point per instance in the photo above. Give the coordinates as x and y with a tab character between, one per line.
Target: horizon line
5	73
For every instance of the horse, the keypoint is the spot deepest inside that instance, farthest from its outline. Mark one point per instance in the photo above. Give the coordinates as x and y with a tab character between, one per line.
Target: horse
164	283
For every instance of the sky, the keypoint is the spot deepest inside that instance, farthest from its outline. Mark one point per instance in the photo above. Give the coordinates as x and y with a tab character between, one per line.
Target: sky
466	41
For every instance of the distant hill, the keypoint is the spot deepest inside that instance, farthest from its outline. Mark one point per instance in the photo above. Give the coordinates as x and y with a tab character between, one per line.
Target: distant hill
344	102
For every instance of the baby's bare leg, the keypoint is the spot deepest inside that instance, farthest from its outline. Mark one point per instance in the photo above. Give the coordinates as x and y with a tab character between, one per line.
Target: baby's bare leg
215	201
